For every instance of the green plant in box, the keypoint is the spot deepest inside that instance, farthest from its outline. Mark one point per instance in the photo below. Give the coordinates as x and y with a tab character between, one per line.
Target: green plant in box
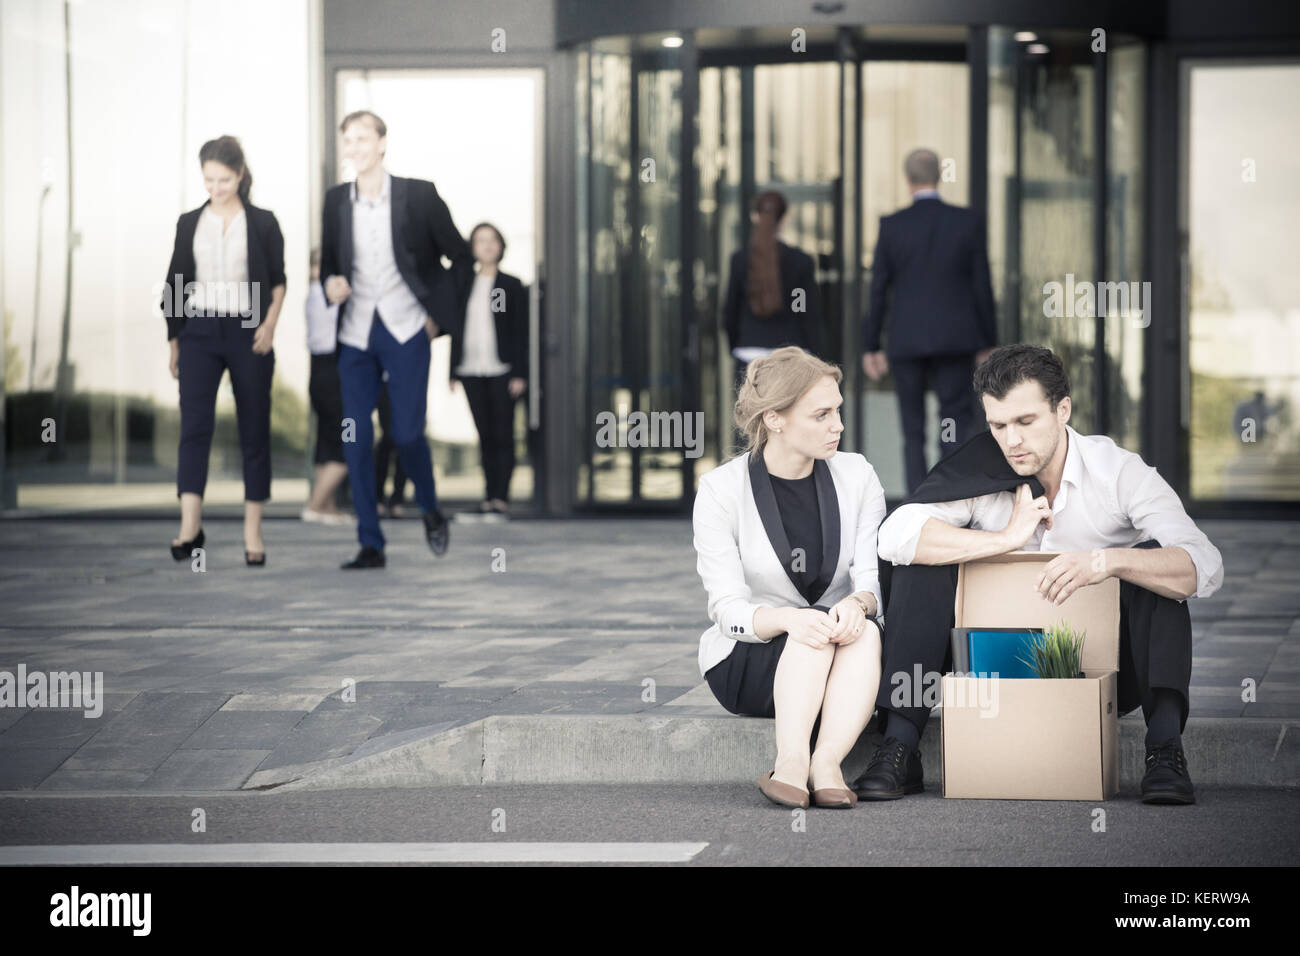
1057	652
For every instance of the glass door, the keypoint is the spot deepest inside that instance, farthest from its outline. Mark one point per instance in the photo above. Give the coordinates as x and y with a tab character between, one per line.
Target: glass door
637	431
905	105
763	126
1240	285
1066	213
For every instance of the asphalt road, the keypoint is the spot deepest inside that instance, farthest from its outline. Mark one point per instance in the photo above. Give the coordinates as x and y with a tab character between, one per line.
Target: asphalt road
1227	827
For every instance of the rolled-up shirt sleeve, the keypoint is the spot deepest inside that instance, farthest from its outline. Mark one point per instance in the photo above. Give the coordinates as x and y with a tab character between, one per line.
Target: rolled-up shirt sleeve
864	569
719	565
902	529
1155	509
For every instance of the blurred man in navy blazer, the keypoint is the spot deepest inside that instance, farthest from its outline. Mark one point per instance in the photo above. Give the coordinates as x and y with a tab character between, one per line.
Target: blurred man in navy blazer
382	242
932	257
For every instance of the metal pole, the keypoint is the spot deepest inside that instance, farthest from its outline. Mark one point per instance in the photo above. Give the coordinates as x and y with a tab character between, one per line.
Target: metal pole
63	379
36	295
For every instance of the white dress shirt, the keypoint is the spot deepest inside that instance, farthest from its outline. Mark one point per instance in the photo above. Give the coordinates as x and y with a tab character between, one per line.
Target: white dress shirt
739	565
376	281
1109	498
322	321
480	356
221	265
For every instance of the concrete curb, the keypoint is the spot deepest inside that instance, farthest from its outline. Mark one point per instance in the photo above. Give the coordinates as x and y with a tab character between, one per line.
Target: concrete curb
598	749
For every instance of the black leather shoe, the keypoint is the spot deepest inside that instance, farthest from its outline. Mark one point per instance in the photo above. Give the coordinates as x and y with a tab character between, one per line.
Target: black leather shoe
1166	779
437	531
184	550
367	557
894	771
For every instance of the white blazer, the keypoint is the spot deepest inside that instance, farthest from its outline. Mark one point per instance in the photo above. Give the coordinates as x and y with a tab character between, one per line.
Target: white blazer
744	558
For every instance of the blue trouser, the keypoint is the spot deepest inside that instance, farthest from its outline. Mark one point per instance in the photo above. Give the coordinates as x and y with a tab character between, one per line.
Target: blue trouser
361	378
208	347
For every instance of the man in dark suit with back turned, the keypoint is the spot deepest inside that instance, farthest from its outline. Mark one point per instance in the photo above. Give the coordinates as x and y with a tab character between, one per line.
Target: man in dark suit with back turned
932	257
382	245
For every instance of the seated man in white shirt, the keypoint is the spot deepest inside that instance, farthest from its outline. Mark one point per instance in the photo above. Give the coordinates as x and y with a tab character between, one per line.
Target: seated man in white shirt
1107	512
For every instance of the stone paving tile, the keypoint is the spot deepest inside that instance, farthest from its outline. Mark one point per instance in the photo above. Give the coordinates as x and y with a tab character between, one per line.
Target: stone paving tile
205	770
146	731
99	780
243	730
323	734
61	729
24	768
295	702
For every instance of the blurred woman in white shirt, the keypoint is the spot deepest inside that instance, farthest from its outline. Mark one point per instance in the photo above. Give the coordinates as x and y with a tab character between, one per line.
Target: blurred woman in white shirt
490	361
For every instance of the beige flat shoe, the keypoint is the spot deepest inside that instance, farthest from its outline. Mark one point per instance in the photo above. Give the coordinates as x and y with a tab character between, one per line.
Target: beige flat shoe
782	794
834	798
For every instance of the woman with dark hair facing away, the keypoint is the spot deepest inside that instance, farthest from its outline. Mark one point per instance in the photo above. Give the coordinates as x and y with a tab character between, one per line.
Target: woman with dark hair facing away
797	638
490	360
772	297
224	289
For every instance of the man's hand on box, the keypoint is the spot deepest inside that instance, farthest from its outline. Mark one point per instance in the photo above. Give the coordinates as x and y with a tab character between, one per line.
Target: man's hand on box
1068	572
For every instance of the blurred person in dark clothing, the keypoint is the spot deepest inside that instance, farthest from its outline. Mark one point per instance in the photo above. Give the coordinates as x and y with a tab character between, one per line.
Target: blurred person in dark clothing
932	260
490	361
772	296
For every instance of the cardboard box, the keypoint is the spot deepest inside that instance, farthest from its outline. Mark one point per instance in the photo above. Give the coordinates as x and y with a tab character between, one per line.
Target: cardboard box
1033	739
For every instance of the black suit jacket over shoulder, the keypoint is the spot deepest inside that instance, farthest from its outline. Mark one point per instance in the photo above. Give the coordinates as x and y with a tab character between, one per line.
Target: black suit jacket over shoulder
933	259
511	324
423	232
976	468
265	261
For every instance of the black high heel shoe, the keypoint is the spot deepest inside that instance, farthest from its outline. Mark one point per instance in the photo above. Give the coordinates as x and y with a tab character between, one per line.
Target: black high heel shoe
254	562
182	551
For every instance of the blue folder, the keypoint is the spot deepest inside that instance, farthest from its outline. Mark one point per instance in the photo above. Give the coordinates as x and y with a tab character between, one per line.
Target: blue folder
1000	652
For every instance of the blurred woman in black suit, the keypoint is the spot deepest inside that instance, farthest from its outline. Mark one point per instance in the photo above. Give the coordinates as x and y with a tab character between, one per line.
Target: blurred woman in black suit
772	297
490	360
224	289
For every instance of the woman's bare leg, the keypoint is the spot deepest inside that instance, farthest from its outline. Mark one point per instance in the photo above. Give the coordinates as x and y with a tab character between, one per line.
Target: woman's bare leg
798	691
253	527
850	698
329	475
191	517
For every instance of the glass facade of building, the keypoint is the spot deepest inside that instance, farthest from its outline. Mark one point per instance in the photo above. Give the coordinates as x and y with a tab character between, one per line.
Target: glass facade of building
1137	196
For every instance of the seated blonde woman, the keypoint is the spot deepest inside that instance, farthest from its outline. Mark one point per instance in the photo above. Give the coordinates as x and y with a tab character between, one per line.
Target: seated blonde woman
786	539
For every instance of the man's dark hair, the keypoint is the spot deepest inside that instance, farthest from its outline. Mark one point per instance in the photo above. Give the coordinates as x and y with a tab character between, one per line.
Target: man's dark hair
1010	365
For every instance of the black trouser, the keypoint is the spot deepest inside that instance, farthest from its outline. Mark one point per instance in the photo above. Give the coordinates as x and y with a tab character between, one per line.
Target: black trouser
386	453
950	376
494	417
208	347
327	402
1155	639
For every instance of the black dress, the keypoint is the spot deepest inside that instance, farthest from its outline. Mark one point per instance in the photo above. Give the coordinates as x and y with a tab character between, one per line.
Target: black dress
743	681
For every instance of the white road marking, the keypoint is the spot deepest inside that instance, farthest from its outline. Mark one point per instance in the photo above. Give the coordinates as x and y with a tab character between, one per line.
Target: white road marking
155	853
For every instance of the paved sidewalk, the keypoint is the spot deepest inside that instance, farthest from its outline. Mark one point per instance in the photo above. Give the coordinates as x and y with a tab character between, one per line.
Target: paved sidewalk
239	677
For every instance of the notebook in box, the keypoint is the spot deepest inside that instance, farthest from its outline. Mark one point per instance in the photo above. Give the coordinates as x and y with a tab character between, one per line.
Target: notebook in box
1002	652
961	644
